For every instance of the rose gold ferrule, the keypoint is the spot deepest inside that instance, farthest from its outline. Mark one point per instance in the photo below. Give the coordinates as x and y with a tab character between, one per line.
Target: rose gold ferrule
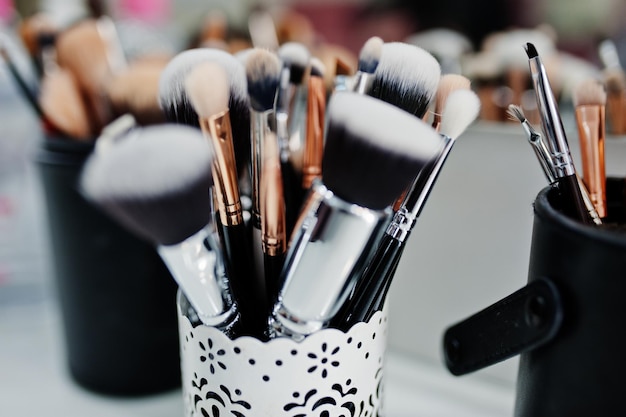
616	107
273	216
590	120
314	143
224	167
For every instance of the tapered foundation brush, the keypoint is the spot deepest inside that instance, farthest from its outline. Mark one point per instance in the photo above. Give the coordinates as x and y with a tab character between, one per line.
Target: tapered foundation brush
589	104
347	210
174	100
208	91
155	182
262	74
407	76
461	109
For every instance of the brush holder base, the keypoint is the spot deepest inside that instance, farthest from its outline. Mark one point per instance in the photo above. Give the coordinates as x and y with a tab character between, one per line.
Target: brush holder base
577	369
330	373
116	297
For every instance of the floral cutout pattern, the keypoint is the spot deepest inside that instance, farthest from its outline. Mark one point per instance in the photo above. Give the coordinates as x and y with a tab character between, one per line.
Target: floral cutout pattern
329	374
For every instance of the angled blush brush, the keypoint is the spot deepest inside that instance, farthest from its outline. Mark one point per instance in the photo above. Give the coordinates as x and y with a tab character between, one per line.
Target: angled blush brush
346	211
155	183
461	109
207	88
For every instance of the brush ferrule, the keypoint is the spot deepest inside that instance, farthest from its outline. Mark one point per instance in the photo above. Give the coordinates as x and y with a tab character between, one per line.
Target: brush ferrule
401	225
551	121
362	82
314	143
329	251
541	151
195	269
225	175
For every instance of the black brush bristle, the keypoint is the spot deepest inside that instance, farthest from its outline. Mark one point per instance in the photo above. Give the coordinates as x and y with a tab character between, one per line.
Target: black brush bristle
155	182
373	149
531	51
262	72
407	77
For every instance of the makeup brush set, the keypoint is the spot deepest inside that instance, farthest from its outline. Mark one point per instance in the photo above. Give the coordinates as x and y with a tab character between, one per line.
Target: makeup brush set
281	209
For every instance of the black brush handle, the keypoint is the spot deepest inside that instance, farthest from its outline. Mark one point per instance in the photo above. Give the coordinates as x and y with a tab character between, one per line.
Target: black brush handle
573	204
273	265
248	290
371	289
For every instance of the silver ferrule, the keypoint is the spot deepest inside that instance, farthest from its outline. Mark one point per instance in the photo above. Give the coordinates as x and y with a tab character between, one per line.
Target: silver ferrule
196	270
401	224
328	252
541	151
551	121
362	82
420	188
259	129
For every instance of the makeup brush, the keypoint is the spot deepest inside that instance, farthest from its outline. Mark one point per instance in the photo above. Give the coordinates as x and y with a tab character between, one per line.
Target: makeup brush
461	109
545	159
556	140
314	141
208	90
262	30
589	103
615	81
262	73
291	123
407	77
447	84
369	57
134	90
347	210
174	100
273	216
155	183
82	50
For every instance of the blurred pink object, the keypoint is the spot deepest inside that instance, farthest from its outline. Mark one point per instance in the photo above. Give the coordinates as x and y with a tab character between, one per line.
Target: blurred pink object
6	11
149	11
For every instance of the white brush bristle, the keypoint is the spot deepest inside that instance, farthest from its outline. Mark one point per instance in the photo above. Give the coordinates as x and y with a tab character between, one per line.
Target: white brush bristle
207	89
589	92
172	80
294	54
317	67
447	84
515	113
461	109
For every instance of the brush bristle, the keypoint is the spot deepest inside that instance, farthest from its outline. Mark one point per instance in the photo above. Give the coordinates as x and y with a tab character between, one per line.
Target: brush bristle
407	77
155	182
318	69
589	92
515	113
371	152
294	56
369	56
531	51
263	72
178	109
447	84
207	89
461	109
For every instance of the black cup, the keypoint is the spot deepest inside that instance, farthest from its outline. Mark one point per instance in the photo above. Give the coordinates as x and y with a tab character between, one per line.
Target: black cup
117	299
572	347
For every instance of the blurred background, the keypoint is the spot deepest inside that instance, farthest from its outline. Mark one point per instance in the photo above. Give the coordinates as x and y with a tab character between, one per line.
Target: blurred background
471	245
